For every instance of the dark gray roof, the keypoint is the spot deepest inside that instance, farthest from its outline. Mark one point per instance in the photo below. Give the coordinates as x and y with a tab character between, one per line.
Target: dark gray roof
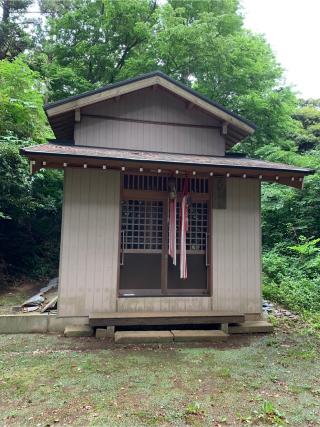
56	149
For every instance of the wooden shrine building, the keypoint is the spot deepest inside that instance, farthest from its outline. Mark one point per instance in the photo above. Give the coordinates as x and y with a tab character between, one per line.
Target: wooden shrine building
126	150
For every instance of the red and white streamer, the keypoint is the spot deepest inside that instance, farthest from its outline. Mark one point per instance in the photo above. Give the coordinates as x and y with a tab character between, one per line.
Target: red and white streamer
173	230
184	226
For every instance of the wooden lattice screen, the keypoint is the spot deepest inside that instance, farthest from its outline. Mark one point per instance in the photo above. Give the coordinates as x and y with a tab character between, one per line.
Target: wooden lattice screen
160	183
141	225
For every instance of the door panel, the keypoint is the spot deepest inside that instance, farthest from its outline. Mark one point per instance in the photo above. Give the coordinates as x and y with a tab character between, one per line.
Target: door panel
141	271
197	274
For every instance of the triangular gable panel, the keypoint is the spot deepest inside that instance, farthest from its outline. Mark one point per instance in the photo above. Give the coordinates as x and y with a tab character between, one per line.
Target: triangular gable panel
239	127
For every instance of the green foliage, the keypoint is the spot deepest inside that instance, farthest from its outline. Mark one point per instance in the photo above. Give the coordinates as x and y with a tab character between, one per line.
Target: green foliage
86	44
21	101
292	276
30	213
83	44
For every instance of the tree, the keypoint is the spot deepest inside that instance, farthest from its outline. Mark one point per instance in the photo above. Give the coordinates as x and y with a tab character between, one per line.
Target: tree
287	213
203	44
14	38
21	101
308	136
30	214
87	43
29	205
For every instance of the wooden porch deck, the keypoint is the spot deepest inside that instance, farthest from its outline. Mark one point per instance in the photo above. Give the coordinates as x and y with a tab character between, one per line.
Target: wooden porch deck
164	318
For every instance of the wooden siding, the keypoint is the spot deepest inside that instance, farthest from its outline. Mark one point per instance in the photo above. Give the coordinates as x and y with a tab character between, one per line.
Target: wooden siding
89	242
164	304
154	105
89	250
236	249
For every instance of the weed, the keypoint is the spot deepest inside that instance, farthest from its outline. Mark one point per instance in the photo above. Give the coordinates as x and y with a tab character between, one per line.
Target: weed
193	408
269	414
224	373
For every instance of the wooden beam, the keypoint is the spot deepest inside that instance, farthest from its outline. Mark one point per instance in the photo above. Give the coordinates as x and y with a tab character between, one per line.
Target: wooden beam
77	115
163	318
284	177
219	192
224	128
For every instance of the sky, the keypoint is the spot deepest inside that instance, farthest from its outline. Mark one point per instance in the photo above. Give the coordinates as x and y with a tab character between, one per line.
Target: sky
292	28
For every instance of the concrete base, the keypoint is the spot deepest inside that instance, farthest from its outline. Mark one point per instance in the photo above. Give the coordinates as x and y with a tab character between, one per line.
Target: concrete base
27	323
101	333
199	335
23	323
78	331
110	331
253	316
143	337
58	324
251	327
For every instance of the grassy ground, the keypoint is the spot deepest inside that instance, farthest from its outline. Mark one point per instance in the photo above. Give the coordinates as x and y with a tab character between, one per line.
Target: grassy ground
260	380
17	292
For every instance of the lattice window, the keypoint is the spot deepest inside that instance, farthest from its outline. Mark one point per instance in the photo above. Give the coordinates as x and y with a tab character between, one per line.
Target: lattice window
198	226
141	225
160	183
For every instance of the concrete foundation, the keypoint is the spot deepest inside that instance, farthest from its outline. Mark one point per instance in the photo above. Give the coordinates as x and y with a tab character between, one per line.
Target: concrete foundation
78	331
251	327
25	323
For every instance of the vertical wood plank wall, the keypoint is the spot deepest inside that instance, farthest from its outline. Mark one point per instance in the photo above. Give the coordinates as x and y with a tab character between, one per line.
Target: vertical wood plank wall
89	242
149	105
236	249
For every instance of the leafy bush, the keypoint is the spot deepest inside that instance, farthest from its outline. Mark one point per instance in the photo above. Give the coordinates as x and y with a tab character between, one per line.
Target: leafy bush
292	276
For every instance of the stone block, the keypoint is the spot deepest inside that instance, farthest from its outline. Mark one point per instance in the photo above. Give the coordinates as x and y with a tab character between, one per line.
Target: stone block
101	333
199	335
78	331
251	327
143	337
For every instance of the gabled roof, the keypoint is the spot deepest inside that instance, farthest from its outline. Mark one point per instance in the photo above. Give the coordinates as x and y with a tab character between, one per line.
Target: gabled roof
60	113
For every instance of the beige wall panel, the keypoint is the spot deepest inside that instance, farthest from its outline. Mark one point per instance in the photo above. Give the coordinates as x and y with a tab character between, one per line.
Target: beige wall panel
89	242
164	304
236	249
149	105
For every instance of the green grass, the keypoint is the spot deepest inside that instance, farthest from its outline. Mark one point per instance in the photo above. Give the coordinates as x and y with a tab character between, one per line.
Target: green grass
262	380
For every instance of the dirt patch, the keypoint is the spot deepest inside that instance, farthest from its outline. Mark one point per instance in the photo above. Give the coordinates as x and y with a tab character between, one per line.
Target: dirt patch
15	293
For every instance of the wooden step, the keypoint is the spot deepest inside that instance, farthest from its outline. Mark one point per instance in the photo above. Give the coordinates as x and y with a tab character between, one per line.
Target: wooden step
143	337
164	318
199	335
153	337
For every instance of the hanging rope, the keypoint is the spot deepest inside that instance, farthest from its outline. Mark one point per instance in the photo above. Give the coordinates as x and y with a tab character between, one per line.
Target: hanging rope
172	220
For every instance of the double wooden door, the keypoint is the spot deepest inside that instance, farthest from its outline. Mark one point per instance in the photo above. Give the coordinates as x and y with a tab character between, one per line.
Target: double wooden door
145	267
